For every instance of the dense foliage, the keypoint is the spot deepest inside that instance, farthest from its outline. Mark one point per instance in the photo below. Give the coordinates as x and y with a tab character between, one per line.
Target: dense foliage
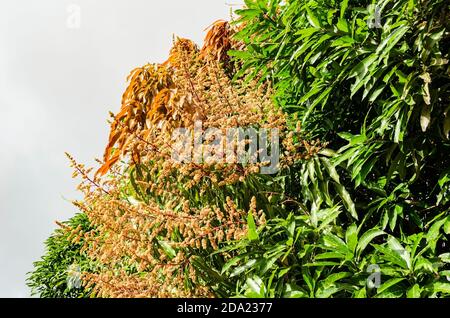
371	79
363	213
58	273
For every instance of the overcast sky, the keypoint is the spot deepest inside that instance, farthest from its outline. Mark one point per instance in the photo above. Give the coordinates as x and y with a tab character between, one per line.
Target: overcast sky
63	66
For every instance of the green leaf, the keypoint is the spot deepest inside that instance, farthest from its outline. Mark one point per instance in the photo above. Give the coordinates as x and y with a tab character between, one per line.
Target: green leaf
424	265
344	41
243	268
252	234
390	41
391	256
309	280
366	238
351	237
321	264
231	263
391	282
362	68
439	287
323	96
256	285
330	255
243	55
331	279
348	202
344	5
312	19
400	250
445	257
327	292
327	216
360	293
247	14
167	249
446	226
414	292
434	232
331	169
342	25
337	244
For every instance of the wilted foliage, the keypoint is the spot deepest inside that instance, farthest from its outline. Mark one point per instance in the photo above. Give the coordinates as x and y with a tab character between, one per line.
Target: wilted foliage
151	97
147	84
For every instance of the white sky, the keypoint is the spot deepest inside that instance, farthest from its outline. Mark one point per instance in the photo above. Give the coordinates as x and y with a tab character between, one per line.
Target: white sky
57	85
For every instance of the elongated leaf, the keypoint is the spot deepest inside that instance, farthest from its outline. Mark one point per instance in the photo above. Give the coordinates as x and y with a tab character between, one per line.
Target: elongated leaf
240	269
351	237
366	238
252	234
167	249
348	202
391	282
313	20
414	292
439	287
344	5
395	245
